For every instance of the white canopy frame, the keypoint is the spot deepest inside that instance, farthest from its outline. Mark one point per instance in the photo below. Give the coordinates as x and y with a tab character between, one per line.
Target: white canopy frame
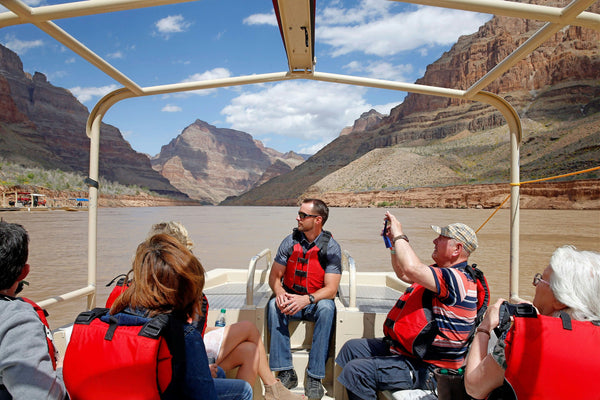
299	68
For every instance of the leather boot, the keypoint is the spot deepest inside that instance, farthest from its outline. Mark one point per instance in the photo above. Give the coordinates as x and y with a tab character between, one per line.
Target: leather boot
277	391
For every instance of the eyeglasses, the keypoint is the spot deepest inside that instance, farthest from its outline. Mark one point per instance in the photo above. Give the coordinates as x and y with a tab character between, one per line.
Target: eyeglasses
303	215
537	278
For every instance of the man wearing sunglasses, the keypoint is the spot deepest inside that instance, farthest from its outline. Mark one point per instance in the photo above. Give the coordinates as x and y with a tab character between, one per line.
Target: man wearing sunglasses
304	277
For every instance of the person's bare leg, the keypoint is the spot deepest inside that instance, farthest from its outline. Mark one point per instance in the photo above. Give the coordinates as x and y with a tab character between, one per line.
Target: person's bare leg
243	356
248	358
243	347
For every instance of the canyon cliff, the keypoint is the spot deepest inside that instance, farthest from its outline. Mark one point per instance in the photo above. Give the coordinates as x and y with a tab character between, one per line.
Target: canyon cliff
434	141
44	126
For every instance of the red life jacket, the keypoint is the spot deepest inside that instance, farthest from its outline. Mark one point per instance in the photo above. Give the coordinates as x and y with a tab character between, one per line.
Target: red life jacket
305	271
117	290
42	314
552	357
121	286
108	360
410	326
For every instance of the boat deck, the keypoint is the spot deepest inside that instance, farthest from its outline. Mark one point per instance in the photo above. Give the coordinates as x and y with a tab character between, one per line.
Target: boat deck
361	310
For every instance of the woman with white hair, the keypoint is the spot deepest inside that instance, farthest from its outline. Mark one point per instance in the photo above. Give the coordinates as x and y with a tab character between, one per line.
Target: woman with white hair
569	288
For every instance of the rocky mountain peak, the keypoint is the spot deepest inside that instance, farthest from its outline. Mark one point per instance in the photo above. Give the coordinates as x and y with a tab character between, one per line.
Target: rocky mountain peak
367	121
571	54
209	163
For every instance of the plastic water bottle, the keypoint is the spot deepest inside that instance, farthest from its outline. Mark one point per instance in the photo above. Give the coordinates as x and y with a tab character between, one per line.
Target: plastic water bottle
221	320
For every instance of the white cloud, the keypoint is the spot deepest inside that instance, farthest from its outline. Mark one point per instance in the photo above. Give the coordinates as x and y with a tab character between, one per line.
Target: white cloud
171	108
20	46
88	93
30	3
261	19
381	70
215	73
172	24
57	75
297	109
383	34
313	148
365	11
385	108
116	54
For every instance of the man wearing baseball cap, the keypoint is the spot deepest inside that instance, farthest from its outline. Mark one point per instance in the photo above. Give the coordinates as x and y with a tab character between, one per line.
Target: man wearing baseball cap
430	325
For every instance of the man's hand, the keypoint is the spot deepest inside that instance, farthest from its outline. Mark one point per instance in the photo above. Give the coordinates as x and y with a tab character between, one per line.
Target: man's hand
394	226
290	304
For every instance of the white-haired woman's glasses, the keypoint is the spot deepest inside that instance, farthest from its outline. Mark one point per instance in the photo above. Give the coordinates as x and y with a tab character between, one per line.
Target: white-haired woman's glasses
537	278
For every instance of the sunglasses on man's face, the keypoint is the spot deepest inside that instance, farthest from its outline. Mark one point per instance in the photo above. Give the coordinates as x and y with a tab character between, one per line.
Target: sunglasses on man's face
303	215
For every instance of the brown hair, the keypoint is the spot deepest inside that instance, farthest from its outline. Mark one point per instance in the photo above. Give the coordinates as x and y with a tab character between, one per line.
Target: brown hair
319	207
167	278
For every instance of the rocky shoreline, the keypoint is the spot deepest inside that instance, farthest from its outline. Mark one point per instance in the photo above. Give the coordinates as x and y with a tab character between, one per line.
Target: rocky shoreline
63	198
571	195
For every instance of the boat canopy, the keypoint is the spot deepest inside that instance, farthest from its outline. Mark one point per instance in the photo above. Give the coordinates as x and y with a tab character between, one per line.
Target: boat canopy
296	19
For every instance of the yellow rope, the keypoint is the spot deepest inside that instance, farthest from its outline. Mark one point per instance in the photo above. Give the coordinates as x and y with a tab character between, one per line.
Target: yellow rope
535	180
495	211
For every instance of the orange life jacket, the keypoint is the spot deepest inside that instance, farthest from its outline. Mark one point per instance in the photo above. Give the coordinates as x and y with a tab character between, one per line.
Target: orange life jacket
410	326
552	357
42	314
305	271
141	362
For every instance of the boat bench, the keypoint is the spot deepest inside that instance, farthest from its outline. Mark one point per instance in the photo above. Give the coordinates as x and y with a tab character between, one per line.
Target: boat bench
416	394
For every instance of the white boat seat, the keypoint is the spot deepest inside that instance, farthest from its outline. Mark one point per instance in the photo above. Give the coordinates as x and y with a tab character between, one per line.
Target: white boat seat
416	394
371	299
233	295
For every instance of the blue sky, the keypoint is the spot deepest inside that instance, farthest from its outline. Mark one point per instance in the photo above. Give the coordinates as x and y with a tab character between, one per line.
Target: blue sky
227	38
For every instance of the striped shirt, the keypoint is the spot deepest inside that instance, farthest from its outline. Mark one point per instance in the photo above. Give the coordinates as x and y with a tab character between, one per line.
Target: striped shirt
454	309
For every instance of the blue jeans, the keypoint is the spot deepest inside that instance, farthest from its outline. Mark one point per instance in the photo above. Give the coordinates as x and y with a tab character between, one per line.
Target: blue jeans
280	354
369	366
233	389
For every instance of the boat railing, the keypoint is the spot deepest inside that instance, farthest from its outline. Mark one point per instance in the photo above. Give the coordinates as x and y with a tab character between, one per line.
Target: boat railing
349	265
266	254
89	291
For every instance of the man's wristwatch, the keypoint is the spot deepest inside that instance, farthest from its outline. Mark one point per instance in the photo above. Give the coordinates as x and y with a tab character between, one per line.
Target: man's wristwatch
311	298
403	237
